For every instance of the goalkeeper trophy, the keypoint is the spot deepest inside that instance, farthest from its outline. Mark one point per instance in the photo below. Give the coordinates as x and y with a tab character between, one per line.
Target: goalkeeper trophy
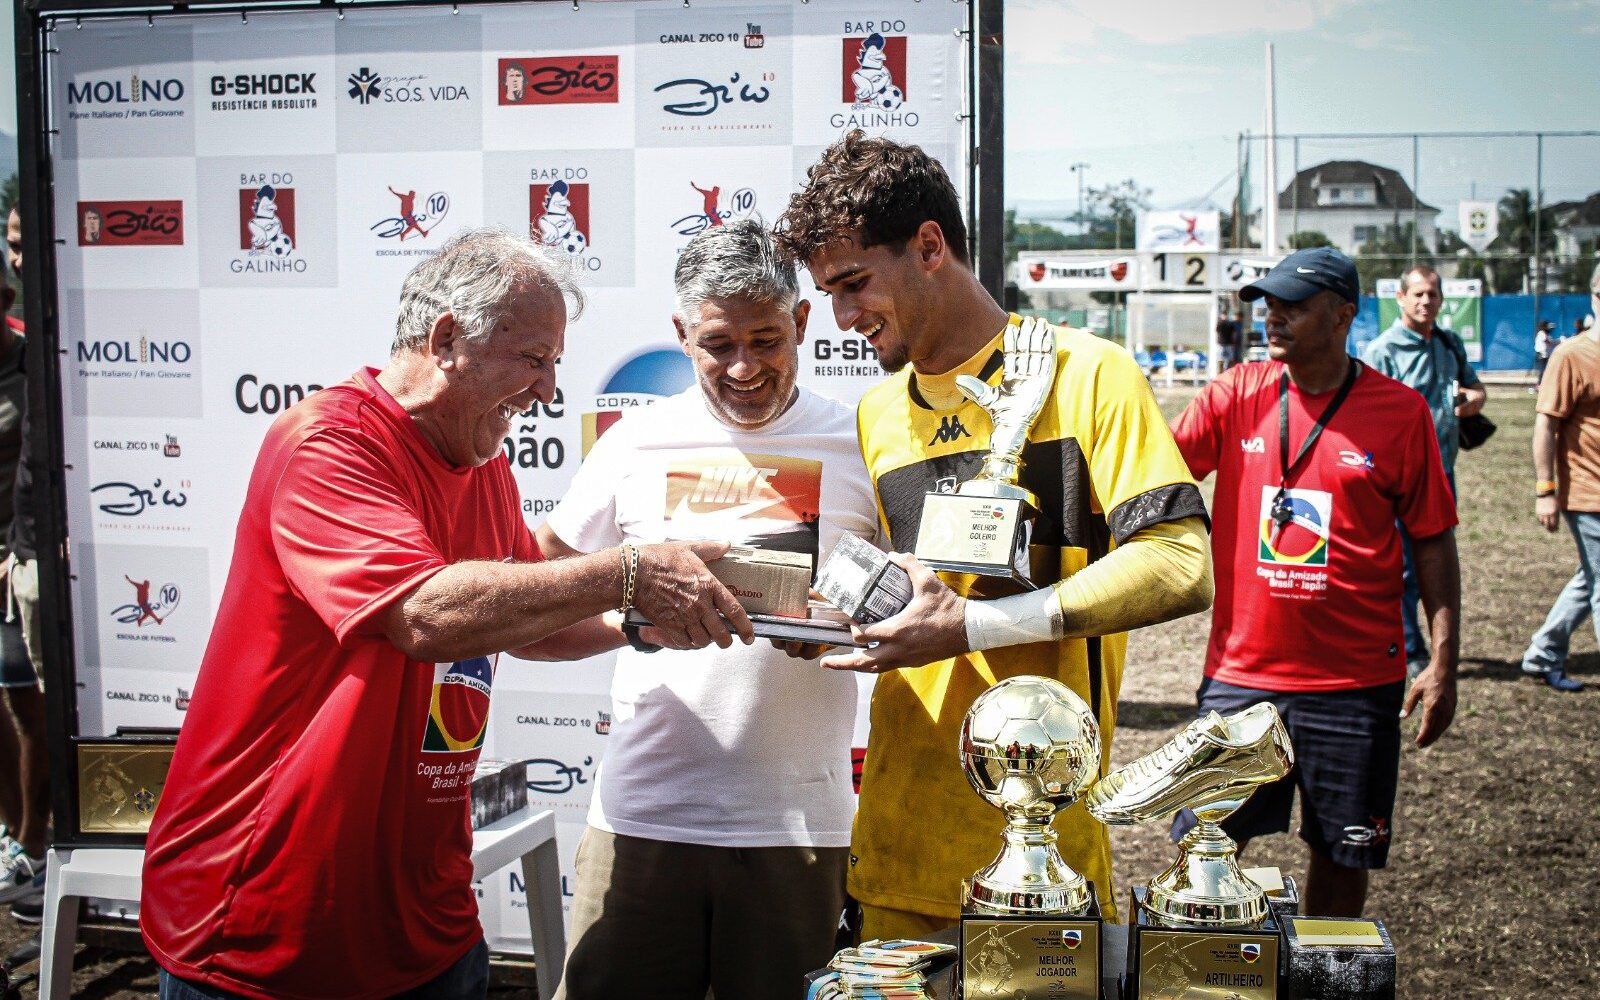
984	527
1202	924
1030	925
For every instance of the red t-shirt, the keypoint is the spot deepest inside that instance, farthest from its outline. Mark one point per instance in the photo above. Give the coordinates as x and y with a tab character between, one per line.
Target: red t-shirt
314	837
1315	605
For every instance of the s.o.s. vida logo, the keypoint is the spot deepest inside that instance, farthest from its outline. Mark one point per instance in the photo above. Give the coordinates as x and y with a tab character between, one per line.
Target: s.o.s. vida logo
458	712
130	223
533	80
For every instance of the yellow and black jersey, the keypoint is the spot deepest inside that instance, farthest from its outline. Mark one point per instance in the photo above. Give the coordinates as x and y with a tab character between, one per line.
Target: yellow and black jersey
1104	466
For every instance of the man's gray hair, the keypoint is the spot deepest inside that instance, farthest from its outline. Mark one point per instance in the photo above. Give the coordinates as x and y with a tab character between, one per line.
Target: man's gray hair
738	260
471	276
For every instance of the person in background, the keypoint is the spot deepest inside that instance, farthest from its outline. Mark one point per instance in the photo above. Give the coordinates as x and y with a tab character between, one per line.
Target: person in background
1309	509
1544	342
1431	359
1566	472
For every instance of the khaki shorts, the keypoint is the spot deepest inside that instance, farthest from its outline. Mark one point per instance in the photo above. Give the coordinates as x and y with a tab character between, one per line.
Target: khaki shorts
22	607
669	921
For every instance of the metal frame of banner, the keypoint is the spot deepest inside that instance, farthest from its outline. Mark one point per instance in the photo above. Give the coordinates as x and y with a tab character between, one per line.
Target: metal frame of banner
35	20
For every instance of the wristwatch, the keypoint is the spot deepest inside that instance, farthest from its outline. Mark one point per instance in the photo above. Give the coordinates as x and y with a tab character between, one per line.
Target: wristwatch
630	631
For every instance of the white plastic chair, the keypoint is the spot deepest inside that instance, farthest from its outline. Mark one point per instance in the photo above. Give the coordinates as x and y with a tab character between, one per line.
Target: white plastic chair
114	873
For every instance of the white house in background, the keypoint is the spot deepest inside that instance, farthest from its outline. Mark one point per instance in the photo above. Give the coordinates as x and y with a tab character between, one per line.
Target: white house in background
1575	223
1352	202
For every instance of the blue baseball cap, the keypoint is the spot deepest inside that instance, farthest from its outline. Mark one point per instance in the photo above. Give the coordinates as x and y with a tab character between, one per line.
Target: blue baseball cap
1304	273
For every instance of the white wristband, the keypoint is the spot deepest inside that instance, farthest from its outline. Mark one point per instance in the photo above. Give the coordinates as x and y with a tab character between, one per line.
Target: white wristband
1011	621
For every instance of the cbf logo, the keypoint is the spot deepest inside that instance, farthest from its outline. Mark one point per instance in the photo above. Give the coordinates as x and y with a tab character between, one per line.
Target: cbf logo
873	75
410	218
267	225
715	210
458	713
1301	538
558	216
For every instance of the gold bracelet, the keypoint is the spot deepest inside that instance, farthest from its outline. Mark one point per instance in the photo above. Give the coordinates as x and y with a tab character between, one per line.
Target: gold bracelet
630	574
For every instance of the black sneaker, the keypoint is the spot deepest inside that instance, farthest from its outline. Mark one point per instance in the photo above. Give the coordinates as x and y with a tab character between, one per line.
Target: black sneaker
28	911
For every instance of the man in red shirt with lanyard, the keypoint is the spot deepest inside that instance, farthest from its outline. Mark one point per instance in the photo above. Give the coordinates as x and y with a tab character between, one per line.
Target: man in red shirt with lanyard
1316	457
314	838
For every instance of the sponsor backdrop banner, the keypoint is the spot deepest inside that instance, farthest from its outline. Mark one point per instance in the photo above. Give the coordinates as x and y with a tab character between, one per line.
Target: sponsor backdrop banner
239	202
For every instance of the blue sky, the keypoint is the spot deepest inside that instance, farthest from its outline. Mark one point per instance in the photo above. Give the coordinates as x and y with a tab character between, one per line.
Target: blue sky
1158	90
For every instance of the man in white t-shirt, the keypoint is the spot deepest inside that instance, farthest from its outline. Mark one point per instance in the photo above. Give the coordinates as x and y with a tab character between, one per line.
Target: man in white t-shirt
719	829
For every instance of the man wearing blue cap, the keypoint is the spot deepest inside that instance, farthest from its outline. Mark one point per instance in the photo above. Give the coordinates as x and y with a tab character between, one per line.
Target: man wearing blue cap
1431	359
1319	461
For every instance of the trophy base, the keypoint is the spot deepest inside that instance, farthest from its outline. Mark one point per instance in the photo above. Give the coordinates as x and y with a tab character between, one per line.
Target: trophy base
1205	885
1009	955
983	536
1170	959
1347	959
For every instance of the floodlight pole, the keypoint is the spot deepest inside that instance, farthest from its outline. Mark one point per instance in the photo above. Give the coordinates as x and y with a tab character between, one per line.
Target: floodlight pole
1269	241
1079	168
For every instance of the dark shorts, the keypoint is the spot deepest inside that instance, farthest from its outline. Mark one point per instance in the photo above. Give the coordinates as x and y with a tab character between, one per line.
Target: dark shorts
16	670
467	979
1347	766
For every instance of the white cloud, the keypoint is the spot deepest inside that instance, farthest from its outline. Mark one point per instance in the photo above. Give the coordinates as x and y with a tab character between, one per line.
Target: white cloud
1163	22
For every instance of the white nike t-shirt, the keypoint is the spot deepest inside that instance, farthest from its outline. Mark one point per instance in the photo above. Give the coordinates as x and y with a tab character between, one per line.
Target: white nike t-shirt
743	747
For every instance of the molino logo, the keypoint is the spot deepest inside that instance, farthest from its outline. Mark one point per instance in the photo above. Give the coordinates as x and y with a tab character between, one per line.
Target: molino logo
458	714
1303	539
558	216
130	223
557	80
873	74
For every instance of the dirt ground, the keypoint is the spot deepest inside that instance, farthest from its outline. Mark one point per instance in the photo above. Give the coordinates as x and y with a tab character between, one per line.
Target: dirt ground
1491	889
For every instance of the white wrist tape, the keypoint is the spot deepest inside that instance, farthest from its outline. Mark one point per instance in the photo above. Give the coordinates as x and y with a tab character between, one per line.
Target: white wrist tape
1011	621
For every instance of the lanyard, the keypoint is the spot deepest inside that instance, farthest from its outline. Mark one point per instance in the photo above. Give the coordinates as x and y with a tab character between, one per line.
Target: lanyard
1281	512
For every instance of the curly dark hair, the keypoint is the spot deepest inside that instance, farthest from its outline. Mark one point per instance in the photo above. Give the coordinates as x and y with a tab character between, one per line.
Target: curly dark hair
875	190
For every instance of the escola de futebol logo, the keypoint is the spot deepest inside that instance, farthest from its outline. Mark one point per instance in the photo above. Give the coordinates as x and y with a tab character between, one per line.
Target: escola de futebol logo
1303	539
458	713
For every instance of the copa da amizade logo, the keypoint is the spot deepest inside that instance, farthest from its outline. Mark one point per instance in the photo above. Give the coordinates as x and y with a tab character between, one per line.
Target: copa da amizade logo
558	213
277	91
873	70
1302	539
639	381
133	98
540	80
369	87
267	235
415	218
717	206
130	223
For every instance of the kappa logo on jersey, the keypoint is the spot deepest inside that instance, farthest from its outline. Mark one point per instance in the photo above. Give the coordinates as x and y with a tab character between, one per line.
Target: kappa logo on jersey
458	713
130	223
739	205
950	429
1303	539
266	221
558	216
